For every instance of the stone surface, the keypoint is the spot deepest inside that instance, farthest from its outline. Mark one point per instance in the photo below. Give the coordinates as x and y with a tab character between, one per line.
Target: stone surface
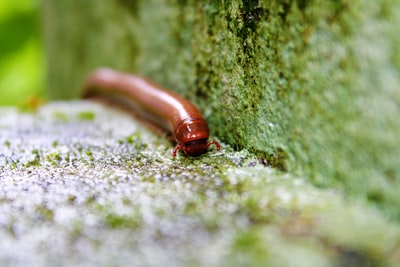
311	86
85	185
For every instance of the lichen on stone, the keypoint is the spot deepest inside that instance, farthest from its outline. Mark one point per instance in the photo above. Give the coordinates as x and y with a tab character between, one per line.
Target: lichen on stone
126	204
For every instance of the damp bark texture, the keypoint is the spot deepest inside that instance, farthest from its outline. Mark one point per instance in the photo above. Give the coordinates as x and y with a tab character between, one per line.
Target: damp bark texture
312	87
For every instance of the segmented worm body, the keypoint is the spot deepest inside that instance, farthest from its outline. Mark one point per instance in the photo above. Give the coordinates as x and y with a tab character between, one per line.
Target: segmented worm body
156	104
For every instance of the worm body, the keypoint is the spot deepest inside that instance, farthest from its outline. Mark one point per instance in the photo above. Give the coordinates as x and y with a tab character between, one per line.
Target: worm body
156	104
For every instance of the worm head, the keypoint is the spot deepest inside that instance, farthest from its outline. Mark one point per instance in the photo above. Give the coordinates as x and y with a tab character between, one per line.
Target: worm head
191	136
195	148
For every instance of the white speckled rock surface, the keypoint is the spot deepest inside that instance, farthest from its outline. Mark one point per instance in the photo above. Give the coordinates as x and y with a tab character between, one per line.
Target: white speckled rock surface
85	185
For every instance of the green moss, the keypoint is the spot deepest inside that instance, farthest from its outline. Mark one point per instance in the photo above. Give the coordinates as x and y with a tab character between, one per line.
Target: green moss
44	214
7	143
60	116
86	116
36	161
54	144
121	221
131	139
308	86
250	242
12	165
54	157
226	206
88	152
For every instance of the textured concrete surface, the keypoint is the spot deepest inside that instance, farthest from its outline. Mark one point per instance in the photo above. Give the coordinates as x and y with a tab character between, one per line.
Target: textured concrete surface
311	86
85	185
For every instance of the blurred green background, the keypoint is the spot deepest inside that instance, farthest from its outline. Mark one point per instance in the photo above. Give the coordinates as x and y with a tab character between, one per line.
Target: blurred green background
21	53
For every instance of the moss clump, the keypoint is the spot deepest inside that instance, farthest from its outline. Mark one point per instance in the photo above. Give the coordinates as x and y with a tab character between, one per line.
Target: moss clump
35	161
61	116
86	116
54	157
88	152
54	144
7	143
122	221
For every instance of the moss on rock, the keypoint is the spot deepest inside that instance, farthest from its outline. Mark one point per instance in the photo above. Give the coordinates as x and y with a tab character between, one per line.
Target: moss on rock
124	204
310	86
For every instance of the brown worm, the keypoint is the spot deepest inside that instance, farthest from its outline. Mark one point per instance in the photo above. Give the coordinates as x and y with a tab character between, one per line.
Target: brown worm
166	109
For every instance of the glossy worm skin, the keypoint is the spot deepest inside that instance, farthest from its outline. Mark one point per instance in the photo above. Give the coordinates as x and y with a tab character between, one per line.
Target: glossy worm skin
156	104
